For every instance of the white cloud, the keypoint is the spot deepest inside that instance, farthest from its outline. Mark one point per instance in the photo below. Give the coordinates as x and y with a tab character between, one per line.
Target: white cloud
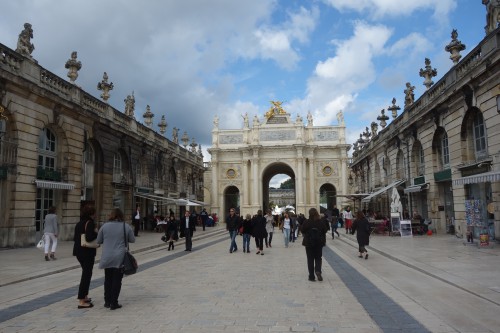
378	9
337	80
275	43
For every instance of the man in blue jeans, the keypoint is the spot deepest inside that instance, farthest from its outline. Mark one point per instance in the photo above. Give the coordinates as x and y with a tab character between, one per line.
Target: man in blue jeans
232	225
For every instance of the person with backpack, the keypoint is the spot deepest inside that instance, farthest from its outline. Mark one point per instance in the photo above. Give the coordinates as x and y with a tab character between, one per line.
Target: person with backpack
314	232
362	227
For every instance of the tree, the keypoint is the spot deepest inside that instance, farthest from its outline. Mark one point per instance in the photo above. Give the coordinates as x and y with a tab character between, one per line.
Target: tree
288	184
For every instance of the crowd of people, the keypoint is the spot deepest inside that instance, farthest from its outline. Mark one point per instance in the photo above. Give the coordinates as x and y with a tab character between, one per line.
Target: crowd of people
115	234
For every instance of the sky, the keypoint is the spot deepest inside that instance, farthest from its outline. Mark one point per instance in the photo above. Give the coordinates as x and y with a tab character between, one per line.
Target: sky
193	59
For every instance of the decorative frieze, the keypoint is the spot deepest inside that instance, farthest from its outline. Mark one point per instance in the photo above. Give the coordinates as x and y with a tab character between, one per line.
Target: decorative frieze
278	135
326	135
230	139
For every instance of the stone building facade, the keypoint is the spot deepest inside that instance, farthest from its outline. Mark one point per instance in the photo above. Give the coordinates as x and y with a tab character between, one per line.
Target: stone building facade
62	147
440	158
244	160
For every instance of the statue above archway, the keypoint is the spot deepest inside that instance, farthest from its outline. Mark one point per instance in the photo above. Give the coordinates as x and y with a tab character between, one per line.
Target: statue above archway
275	109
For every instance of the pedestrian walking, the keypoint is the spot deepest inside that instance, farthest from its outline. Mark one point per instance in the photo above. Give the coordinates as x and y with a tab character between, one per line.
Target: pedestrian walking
232	225
314	232
50	231
287	225
269	228
171	232
204	218
136	220
85	255
347	219
247	232
112	235
188	227
259	231
361	227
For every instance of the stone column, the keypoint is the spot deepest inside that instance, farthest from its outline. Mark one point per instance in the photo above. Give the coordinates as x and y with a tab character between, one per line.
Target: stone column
215	184
343	175
312	189
246	192
299	178
255	180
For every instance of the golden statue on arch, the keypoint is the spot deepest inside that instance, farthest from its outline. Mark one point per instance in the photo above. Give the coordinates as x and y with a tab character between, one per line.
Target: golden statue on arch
276	108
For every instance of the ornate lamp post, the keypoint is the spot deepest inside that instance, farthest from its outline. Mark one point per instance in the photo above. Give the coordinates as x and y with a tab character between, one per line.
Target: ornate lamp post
74	66
428	73
163	125
148	116
394	108
185	139
105	87
383	118
455	47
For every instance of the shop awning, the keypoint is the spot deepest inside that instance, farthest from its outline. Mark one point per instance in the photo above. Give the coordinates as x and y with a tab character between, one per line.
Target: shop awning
353	196
416	188
156	198
54	185
186	202
492	177
382	190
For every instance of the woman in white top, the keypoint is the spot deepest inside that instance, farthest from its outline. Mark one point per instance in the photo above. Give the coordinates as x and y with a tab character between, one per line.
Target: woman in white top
269	228
50	233
286	228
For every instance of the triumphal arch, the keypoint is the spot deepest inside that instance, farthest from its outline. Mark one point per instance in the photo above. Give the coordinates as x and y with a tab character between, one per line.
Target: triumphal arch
244	160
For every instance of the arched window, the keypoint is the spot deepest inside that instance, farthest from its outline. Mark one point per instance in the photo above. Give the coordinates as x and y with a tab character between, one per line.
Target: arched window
117	168
479	136
445	151
47	150
89	170
47	157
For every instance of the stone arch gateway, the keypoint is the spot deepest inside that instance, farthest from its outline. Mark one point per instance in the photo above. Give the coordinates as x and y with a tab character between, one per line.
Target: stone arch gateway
247	158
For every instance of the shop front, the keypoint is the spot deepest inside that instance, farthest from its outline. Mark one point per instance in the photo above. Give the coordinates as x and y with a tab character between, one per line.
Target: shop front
479	204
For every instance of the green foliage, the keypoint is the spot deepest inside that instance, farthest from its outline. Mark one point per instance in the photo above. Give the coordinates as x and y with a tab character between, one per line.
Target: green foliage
288	184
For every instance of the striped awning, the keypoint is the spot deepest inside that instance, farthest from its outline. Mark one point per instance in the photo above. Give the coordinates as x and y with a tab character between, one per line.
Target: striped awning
54	185
492	176
416	188
382	190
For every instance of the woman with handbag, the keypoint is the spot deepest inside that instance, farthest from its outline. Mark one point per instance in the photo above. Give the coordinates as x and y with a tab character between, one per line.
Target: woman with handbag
114	236
171	232
85	230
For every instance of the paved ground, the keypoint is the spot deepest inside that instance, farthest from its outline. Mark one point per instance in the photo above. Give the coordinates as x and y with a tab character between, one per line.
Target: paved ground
419	284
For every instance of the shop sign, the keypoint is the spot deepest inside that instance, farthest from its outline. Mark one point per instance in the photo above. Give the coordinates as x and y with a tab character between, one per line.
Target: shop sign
484	240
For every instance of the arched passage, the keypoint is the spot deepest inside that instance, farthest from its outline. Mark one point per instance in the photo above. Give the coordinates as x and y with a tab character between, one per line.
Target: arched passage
231	199
327	197
268	174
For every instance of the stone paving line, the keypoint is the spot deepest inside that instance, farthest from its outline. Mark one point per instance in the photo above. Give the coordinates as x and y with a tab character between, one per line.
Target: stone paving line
148	242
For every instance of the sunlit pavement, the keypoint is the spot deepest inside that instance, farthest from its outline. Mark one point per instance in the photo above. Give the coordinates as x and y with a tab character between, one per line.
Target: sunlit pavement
420	284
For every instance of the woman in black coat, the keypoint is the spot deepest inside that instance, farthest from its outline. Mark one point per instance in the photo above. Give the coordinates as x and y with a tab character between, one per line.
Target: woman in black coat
362	227
314	231
259	231
85	255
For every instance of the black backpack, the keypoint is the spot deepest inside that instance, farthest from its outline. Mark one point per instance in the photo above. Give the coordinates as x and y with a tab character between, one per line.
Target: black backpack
315	238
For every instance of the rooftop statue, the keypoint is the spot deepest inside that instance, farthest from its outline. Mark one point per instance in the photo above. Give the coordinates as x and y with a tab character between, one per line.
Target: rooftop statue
129	105
409	95
309	119
24	44
492	15
340	117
